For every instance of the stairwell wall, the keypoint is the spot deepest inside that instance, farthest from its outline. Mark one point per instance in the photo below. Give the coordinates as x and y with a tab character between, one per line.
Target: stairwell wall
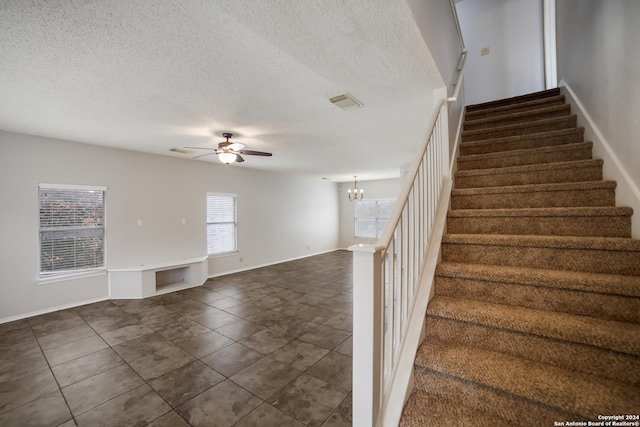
597	64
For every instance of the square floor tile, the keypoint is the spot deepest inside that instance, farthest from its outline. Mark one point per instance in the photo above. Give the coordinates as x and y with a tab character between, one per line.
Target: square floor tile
266	415
126	333
135	408
170	419
67	336
47	328
293	326
48	410
341	321
180	385
162	361
308	399
232	359
216	320
22	366
100	388
334	368
183	329
203	344
226	403
265	377
142	346
266	341
239	329
326	337
342	416
299	354
74	350
87	366
346	347
22	390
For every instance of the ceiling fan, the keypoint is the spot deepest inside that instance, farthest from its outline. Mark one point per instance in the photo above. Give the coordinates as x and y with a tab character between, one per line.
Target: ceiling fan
229	152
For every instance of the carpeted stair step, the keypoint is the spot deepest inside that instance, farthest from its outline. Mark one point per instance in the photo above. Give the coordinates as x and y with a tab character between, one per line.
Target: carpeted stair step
585	193
544	125
425	410
574	221
568	355
542	390
515	108
511	118
622	337
513	100
609	255
572	171
529	156
534	140
605	296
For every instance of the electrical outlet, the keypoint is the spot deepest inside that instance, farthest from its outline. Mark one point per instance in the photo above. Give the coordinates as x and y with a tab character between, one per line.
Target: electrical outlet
484	51
241	259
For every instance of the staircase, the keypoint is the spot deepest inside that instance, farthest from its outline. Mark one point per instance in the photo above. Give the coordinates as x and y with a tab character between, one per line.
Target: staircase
536	313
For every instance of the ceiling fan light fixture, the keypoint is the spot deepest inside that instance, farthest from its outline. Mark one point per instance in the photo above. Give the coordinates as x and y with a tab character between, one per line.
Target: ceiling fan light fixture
227	158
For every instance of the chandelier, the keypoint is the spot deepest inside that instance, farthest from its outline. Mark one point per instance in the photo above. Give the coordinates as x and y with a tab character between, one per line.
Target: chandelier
355	194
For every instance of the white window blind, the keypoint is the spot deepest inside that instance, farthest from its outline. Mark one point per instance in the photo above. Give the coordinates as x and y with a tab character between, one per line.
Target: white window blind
71	229
371	216
221	223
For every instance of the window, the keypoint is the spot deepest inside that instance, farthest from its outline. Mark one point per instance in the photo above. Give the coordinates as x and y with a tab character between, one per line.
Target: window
71	229
221	223
371	216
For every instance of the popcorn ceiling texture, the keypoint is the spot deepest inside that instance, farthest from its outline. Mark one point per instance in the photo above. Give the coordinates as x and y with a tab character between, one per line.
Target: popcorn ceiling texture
536	313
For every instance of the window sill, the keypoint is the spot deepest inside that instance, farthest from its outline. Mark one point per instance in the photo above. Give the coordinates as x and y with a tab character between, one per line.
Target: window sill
68	277
226	254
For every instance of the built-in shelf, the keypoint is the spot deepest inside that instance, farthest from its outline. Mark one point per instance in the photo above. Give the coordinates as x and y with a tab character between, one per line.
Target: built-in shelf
147	280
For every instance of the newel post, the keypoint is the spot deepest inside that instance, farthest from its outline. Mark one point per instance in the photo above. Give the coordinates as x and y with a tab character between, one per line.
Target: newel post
368	328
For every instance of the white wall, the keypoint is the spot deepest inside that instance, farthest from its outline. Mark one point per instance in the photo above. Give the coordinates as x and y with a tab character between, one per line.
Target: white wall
380	189
513	30
279	215
597	43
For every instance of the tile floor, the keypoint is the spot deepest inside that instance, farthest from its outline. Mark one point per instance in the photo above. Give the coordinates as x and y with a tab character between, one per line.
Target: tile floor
267	347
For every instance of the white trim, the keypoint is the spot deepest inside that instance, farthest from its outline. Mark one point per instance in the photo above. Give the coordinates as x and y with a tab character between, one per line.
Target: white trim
52	309
627	192
240	270
65	277
549	31
72	187
223	194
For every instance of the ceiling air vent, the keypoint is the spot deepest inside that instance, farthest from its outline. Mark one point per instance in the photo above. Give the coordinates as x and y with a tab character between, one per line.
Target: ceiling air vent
180	150
346	102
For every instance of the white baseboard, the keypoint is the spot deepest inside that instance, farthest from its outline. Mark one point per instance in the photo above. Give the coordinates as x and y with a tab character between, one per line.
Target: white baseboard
627	192
240	270
51	309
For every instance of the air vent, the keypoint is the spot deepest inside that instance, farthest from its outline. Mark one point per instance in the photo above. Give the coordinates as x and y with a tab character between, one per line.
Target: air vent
180	150
346	102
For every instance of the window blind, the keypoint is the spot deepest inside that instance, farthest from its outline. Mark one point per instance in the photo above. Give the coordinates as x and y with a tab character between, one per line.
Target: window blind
71	229
221	224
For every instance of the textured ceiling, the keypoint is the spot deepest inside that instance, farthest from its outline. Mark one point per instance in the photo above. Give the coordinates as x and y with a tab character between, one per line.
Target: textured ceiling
157	74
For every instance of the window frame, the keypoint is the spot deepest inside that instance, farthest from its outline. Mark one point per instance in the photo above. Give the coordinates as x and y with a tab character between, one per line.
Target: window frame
377	219
61	275
235	223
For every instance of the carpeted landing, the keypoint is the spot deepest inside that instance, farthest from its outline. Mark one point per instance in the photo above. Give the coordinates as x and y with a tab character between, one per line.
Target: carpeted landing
536	313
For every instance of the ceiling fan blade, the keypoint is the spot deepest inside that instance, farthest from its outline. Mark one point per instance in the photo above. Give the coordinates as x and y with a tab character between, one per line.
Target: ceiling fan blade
256	153
200	148
202	155
239	158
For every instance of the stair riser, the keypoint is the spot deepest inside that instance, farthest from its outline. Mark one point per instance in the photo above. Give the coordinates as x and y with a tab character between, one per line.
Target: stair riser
517	130
568	136
578	174
519	411
588	260
485	114
514	101
505	121
603	306
541	199
582	358
580	153
599	226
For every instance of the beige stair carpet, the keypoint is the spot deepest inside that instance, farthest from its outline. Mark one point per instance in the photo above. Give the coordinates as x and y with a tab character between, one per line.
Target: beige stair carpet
536	313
